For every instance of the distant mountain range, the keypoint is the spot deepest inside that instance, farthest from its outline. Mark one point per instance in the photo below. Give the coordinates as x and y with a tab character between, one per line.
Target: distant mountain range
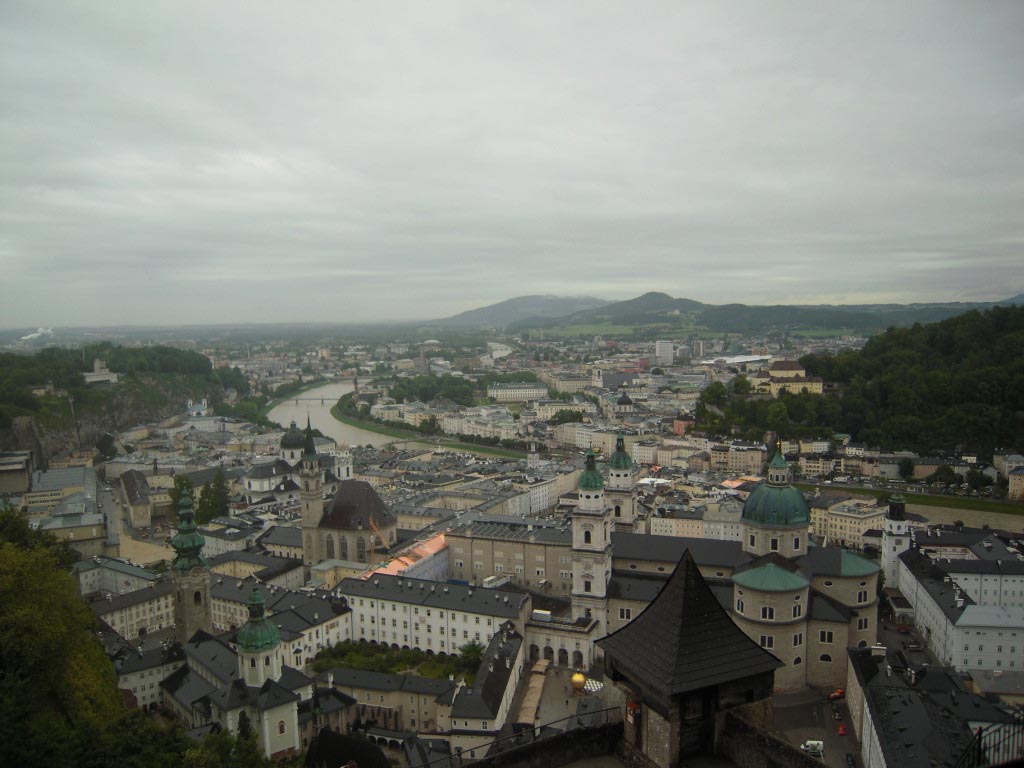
510	311
660	309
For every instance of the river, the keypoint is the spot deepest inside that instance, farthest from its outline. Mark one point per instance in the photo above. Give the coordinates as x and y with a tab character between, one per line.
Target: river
309	402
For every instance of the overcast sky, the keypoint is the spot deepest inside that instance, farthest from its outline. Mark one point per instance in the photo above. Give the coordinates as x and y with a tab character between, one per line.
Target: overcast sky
206	162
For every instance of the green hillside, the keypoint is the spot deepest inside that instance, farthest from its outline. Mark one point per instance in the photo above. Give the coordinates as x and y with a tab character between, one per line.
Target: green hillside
955	384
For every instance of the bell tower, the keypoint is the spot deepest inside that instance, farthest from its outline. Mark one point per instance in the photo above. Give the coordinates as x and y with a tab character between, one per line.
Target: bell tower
620	488
311	495
895	539
259	644
591	548
190	576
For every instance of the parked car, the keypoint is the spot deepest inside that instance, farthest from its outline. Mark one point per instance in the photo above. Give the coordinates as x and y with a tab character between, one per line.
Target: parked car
903	629
842	730
814	747
837	694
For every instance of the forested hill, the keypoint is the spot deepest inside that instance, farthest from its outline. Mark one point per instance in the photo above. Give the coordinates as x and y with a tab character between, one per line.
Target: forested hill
958	382
155	383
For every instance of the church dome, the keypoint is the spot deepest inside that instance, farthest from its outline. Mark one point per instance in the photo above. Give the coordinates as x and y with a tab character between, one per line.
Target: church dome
293	439
777	506
258	633
590	479
620	459
624	399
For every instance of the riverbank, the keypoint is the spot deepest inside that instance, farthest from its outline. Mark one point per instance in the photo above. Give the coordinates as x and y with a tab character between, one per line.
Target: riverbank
924	500
272	404
401	434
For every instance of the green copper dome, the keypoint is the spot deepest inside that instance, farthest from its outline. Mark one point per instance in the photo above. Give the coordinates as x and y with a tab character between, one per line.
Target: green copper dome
778	461
777	506
770	578
620	459
258	634
591	479
188	541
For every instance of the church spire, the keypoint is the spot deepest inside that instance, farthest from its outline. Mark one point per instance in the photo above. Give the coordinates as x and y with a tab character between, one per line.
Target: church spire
309	445
187	542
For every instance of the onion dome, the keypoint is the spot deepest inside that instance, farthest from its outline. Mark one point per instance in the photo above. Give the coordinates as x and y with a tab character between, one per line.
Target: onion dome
591	479
293	439
187	542
620	459
624	399
258	634
776	503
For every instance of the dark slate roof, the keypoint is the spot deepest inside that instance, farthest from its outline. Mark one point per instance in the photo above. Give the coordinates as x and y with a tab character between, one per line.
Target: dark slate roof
110	603
293	679
136	487
148	659
282	536
669	549
824	608
352	507
483	700
634	586
435	594
212	654
835	561
186	686
329	700
685	641
383	681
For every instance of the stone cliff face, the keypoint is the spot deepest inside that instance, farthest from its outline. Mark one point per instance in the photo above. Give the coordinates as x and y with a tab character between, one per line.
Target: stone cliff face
145	401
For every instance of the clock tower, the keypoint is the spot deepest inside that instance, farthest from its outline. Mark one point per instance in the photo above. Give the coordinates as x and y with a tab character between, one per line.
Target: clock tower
190	576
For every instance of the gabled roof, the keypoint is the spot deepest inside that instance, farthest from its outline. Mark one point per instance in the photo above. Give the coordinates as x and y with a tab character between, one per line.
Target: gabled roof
835	561
685	641
353	506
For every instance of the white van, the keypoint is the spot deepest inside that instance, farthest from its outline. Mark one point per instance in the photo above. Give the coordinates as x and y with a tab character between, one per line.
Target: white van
814	748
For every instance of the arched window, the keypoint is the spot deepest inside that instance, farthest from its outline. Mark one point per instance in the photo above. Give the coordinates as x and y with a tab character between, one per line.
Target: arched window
252	662
826	658
280	726
361	549
266	661
343	548
330	546
197	597
862	644
797	661
618	511
586	537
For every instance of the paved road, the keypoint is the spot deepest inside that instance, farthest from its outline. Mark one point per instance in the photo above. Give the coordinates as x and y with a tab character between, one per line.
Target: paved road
807	714
110	507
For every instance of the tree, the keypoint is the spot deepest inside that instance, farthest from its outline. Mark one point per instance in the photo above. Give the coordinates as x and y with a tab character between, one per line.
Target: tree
944	475
470	655
429	426
741	385
244	725
657	371
715	394
566	416
205	507
181	485
906	467
221	499
777	416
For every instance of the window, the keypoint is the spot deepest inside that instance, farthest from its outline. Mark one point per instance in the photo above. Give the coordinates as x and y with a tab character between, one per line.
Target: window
751	539
796	542
862	624
825	636
797	661
586	586
625	613
252	662
862	596
775	545
739	604
798	639
586	537
798	611
767	612
825	658
280	726
767	641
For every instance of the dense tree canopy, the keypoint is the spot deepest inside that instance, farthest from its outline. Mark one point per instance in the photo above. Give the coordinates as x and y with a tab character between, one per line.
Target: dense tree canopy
954	384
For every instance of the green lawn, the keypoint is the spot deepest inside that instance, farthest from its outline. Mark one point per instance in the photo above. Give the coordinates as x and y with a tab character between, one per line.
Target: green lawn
949	502
372	658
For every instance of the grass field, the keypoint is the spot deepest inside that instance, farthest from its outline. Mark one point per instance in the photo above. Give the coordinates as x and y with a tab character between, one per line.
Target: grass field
401	434
948	502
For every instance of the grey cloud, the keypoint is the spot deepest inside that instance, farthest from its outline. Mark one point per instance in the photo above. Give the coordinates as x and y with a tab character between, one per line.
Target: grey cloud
340	161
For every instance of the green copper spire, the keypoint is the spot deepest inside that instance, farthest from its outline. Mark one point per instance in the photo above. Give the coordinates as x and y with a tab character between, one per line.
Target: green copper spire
187	542
778	462
591	479
258	633
620	459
